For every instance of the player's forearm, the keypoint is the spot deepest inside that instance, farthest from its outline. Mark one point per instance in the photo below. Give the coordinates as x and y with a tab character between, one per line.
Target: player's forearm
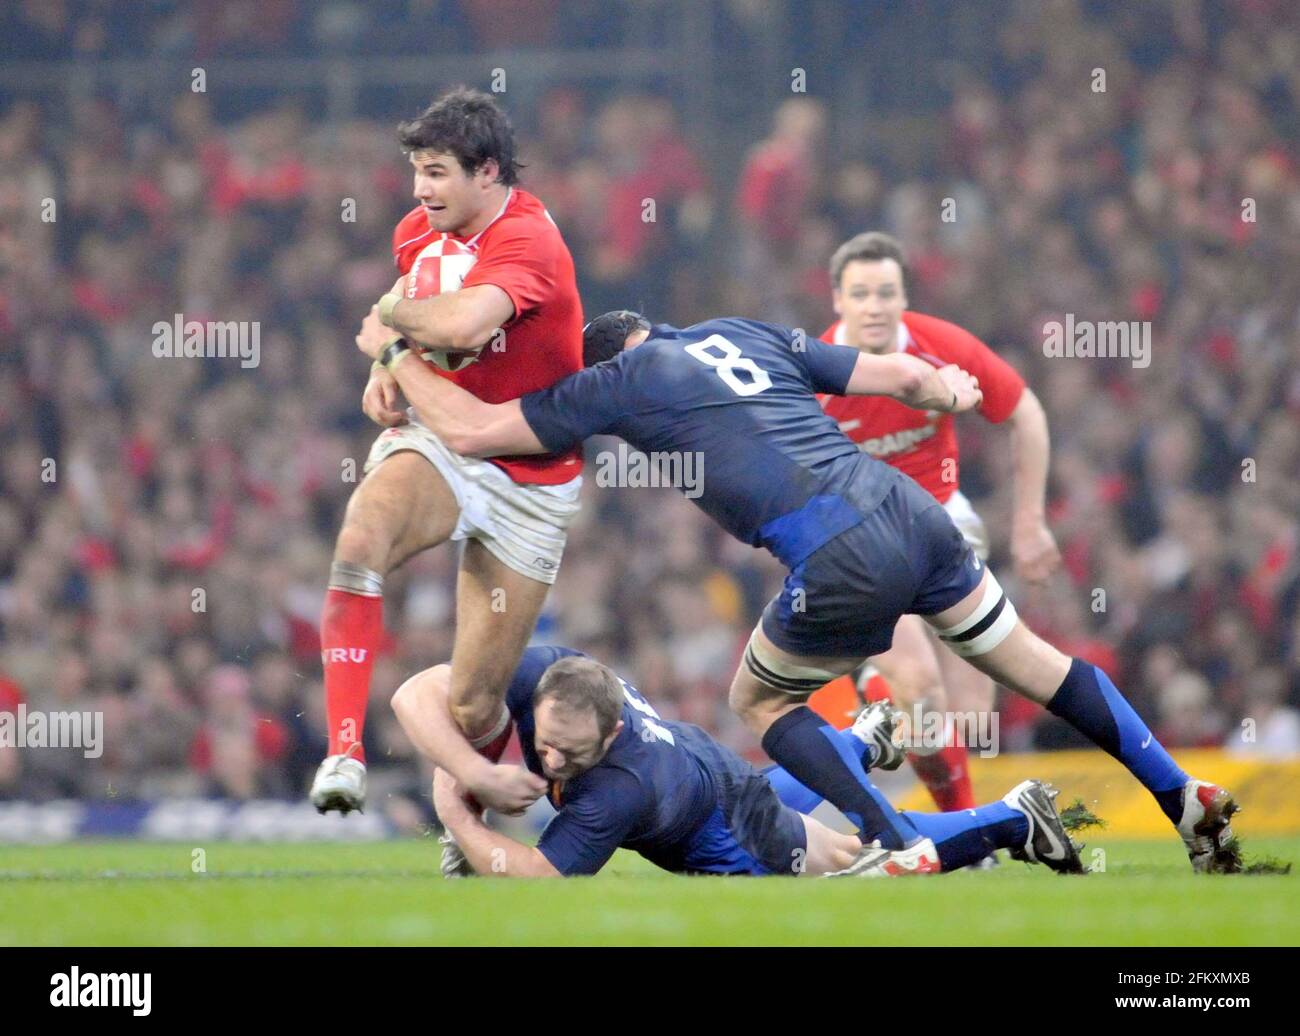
444	408
921	386
459	321
503	432
440	322
1031	446
930	392
460	419
422	709
907	379
492	854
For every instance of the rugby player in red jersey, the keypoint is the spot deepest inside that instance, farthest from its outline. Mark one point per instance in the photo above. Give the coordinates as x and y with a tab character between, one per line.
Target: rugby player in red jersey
870	298
513	326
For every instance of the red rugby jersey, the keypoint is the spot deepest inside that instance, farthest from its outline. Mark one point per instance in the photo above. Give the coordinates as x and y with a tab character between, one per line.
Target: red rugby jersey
522	253
917	442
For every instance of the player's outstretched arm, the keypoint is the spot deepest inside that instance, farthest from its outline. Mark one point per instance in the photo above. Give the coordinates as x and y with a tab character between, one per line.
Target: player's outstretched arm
459	321
490	853
460	419
914	382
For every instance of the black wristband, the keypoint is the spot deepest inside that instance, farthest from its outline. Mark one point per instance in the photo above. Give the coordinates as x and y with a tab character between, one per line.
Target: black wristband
392	351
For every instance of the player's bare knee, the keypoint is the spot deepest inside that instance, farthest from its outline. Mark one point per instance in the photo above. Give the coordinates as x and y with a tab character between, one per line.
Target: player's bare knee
918	686
739	700
758	711
380	529
405	697
770	683
365	544
932	696
969	690
368	533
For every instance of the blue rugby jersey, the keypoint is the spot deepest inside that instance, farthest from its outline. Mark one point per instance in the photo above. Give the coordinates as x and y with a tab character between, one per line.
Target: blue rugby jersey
658	790
740	395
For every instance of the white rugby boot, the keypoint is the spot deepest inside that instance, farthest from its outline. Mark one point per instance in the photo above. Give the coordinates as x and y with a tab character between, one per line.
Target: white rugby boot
1204	825
340	783
877	727
1048	842
453	864
875	862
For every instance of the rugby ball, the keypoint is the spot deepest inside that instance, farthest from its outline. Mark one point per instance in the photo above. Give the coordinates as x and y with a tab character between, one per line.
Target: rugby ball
439	268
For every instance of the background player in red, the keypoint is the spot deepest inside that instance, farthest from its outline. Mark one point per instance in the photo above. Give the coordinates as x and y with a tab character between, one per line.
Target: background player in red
870	298
513	326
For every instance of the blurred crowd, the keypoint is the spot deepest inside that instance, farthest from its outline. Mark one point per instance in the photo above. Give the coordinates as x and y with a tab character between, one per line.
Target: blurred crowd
166	524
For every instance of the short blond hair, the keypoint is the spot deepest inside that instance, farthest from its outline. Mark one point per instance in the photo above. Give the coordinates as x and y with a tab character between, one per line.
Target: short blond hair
582	684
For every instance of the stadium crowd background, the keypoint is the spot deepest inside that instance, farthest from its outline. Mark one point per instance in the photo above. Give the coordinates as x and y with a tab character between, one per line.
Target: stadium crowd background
174	476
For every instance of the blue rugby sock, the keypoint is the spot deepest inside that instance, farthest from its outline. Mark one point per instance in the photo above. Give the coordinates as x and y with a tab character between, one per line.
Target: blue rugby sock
800	797
816	756
966	836
1089	702
963	837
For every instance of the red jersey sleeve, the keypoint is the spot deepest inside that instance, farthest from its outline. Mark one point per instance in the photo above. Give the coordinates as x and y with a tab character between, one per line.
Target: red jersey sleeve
410	235
1001	383
521	262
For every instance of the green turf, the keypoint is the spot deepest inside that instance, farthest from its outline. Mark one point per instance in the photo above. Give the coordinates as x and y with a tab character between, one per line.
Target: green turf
107	893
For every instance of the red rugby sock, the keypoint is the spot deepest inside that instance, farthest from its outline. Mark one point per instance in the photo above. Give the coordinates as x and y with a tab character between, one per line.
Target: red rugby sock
946	774
494	749
351	629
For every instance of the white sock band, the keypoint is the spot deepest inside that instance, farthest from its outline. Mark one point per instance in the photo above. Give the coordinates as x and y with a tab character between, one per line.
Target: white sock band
486	739
356	579
984	628
790	677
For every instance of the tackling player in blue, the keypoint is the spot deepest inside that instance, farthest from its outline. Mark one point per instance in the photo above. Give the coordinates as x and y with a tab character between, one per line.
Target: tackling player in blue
863	543
619	776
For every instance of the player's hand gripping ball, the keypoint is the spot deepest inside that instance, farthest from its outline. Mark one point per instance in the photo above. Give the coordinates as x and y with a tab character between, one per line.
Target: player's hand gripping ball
441	267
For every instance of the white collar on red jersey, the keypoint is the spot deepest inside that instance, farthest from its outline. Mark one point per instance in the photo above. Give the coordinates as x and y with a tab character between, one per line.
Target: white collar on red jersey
838	336
411	240
473	241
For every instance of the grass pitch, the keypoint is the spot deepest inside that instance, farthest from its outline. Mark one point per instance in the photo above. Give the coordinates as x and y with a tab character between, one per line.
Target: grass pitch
390	893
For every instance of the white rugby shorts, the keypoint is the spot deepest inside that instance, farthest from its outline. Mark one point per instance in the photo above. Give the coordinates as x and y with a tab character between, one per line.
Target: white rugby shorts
523	526
968	523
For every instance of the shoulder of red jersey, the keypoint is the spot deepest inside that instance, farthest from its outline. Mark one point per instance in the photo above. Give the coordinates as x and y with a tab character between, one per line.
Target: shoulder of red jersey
523	212
412	229
524	202
932	334
945	342
522	252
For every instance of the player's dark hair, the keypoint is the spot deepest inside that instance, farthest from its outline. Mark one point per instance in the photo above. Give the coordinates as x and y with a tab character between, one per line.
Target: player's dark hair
468	124
582	684
871	247
603	338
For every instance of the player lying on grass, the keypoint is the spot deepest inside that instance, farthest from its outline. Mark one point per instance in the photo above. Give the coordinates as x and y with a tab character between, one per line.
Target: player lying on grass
864	544
621	777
